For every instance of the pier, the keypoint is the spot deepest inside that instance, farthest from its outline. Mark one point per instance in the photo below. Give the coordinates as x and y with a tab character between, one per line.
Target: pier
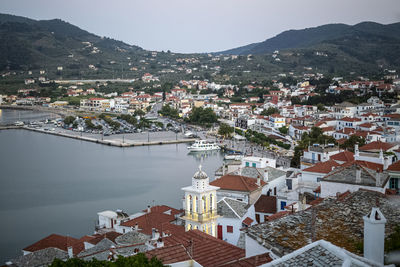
99	139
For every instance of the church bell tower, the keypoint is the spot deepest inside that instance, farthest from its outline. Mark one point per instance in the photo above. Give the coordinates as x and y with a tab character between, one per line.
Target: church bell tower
200	204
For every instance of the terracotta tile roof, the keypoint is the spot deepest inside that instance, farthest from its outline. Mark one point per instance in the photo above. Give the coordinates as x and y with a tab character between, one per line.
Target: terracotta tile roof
266	204
323	167
159	218
205	249
350	119
248	221
278	215
53	241
170	254
164	208
394	167
344	156
256	260
98	237
376	146
366	125
328	129
237	183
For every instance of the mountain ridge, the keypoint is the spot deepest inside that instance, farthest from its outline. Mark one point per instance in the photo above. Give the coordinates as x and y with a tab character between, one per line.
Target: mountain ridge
294	39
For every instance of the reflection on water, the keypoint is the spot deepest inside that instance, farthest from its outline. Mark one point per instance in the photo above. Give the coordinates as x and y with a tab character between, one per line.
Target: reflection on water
202	155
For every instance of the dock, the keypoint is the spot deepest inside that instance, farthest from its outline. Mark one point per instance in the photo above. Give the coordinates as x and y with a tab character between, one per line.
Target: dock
117	143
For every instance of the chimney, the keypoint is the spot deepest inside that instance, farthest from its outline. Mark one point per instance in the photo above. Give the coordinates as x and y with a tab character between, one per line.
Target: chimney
258	180
148	209
136	227
155	235
266	177
374	236
385	163
70	252
160	243
378	178
358	175
381	154
356	151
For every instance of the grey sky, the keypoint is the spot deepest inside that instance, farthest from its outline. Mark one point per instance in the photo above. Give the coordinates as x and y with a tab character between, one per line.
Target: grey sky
202	25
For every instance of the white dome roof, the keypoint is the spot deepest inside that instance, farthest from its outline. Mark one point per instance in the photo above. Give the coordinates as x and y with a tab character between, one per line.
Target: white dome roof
200	174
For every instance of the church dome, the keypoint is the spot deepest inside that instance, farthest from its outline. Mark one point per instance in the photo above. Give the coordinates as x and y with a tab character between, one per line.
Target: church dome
200	174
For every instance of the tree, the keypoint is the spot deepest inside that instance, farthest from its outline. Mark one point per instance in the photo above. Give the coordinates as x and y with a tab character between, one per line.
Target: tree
225	130
321	107
139	112
69	120
269	111
284	130
352	141
202	116
168	111
137	260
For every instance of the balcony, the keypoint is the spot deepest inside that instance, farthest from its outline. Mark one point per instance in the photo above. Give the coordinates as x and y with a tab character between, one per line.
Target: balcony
309	161
200	217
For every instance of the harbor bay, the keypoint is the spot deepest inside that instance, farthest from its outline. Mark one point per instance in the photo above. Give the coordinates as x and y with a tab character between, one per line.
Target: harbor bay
51	184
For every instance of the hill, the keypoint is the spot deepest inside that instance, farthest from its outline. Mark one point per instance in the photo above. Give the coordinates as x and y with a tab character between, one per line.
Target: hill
31	44
305	38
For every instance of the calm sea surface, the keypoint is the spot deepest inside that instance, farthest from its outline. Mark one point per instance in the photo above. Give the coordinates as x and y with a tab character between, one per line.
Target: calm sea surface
51	184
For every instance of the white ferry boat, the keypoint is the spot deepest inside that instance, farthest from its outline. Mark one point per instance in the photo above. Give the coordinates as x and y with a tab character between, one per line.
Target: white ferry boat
203	145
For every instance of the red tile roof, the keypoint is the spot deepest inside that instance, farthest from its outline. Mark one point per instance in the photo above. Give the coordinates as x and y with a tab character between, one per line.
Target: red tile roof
278	215
53	241
203	248
266	204
376	146
98	237
366	164
256	260
323	167
366	125
350	119
395	167
248	221
170	254
237	183
159	218
344	156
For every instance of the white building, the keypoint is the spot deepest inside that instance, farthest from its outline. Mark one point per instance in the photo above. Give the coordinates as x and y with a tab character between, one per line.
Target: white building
258	162
234	216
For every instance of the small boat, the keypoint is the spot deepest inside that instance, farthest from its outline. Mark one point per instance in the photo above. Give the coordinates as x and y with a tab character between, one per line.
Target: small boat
203	145
233	157
19	123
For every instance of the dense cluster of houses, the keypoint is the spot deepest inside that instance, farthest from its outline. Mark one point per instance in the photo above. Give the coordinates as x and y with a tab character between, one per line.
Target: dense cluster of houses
256	213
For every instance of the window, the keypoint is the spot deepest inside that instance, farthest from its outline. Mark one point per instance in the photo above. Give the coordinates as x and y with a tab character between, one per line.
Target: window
258	218
319	179
266	218
289	183
253	165
283	204
229	229
247	164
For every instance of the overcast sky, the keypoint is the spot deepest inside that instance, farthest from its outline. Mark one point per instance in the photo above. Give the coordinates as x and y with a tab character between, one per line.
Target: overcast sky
202	25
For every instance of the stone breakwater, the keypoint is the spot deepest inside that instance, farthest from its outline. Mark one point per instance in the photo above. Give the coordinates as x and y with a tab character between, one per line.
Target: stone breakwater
116	143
